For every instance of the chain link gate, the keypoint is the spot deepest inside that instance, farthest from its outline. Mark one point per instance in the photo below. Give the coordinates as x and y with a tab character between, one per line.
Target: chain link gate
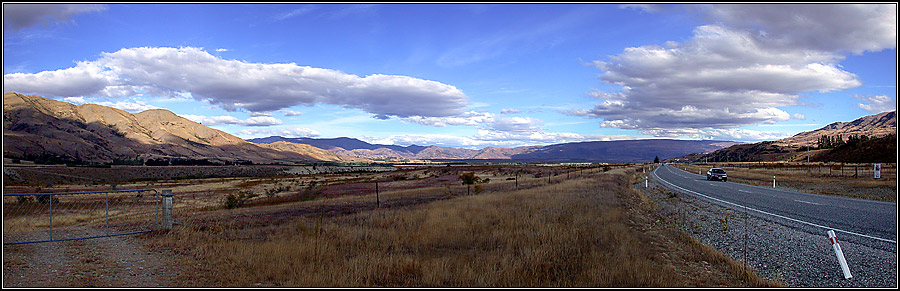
48	217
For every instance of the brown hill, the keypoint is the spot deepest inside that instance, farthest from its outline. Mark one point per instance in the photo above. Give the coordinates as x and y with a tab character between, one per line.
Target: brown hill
873	126
37	128
304	149
881	128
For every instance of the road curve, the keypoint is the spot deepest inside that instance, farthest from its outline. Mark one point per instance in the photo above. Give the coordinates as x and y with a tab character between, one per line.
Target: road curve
858	218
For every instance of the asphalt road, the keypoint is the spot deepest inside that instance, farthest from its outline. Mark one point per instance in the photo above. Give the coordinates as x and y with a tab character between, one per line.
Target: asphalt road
848	217
782	234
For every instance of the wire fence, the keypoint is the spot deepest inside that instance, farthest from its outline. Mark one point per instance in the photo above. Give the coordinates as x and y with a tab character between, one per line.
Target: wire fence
850	170
47	217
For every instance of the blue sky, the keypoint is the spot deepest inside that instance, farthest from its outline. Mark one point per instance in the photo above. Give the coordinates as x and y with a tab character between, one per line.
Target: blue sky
464	75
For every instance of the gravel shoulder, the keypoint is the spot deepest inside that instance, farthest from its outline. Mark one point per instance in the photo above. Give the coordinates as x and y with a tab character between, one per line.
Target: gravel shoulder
795	254
119	261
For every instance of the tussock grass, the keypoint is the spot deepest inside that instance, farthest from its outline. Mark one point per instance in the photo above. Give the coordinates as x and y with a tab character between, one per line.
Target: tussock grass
589	232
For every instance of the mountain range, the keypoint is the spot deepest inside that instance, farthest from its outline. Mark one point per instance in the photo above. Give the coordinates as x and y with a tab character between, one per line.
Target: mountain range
592	151
49	131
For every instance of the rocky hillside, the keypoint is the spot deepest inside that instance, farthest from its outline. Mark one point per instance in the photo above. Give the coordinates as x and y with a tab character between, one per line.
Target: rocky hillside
46	130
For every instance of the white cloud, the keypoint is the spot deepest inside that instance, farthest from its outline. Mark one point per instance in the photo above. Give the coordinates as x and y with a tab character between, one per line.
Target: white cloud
510	111
798	116
717	134
20	16
876	104
164	71
225	119
288	112
75	100
131	107
726	77
285	132
468	118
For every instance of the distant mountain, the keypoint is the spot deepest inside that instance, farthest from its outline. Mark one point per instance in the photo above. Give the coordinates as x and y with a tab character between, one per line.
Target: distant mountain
37	128
622	151
595	151
351	147
881	147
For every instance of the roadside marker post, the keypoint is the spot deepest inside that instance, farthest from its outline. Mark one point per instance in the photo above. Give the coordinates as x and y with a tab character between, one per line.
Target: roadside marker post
773	181
645	181
840	254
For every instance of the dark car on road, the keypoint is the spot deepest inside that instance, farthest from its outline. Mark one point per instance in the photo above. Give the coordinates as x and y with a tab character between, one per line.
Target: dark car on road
716	174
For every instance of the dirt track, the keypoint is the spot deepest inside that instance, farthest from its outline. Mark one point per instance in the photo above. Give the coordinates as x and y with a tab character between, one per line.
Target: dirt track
120	261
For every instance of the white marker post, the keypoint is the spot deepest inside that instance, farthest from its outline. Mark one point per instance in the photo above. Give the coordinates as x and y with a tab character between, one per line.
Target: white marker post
645	181
773	181
839	254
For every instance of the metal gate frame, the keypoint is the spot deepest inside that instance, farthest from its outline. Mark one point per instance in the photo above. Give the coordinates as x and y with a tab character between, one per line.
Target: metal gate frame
157	196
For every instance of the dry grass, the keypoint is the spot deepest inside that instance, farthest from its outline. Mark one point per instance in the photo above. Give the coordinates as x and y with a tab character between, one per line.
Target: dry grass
822	179
591	232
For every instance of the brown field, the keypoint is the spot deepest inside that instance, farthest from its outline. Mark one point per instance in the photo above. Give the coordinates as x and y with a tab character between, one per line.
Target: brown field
585	228
839	179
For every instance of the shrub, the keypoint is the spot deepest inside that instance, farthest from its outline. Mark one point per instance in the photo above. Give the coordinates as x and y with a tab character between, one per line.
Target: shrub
235	201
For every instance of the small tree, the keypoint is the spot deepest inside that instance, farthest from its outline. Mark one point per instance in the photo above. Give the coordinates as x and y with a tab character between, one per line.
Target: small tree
469	179
656	160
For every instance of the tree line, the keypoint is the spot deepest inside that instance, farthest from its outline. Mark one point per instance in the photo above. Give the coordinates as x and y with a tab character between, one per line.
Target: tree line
831	142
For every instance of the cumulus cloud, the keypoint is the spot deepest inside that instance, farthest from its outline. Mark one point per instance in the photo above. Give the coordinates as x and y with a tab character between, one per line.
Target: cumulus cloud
739	71
231	120
20	16
876	104
165	71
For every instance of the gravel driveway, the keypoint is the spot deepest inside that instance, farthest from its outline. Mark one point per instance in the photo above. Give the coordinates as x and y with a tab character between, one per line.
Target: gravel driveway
795	254
119	261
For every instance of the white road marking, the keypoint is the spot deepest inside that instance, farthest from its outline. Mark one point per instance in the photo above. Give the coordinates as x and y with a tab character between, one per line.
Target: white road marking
801	201
772	214
739	190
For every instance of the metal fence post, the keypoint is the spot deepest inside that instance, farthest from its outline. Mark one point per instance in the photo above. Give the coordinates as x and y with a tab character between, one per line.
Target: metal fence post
167	209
